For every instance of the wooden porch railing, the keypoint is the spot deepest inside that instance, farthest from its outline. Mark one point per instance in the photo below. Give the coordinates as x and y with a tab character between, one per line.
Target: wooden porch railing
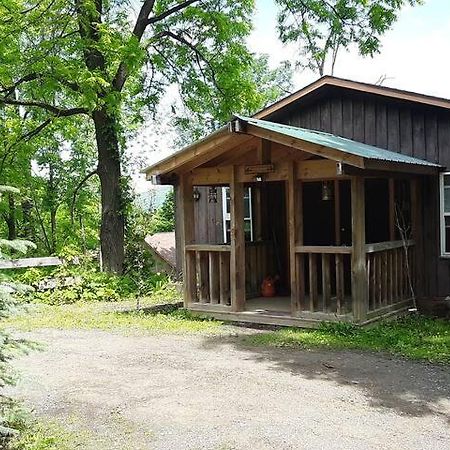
323	286
390	269
212	273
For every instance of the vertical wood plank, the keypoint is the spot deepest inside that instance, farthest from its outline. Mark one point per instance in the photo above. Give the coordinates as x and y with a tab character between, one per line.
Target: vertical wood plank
336	116
325	115
418	132
224	274
347	117
359	273
358	120
186	215
237	243
339	283
432	141
381	114
300	270
405	131
370	123
392	209
395	276
373	282
379	289
384	278
326	282
393	130
203	277
312	281
214	283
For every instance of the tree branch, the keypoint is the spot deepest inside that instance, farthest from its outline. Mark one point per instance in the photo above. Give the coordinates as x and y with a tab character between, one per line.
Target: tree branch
75	192
198	55
138	31
170	11
59	112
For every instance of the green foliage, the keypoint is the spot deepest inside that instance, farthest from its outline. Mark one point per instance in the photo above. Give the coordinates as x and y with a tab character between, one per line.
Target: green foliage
37	435
163	219
322	28
70	284
415	337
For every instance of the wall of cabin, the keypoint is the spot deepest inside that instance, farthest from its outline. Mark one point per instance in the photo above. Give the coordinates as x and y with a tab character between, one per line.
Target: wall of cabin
409	128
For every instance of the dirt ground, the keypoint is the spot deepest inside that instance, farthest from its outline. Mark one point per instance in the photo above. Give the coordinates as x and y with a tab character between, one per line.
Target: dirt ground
213	392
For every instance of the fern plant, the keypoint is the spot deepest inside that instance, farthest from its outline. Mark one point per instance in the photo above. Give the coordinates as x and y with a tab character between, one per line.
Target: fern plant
9	346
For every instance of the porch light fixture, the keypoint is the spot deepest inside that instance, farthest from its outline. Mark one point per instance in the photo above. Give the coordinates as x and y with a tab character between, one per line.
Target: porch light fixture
196	195
259	178
326	190
212	195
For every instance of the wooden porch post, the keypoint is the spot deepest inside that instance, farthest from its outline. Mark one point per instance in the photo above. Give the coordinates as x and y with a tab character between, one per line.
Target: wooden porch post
294	216
237	266
359	273
185	209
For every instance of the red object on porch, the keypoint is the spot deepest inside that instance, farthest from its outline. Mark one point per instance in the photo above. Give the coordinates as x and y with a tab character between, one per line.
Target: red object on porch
268	287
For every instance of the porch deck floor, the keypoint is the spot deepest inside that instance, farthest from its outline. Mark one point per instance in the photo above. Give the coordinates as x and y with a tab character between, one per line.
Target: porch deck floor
269	305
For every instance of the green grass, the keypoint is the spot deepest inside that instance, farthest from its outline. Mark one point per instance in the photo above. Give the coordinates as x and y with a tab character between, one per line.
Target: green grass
120	316
414	337
47	435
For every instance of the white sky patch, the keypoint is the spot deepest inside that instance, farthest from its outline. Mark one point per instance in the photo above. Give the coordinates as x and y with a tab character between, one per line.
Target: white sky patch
412	57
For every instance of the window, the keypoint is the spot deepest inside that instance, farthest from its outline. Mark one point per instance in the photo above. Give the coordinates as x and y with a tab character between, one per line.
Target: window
445	214
248	217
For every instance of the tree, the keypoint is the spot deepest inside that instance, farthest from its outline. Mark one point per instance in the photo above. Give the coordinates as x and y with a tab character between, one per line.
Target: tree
96	62
322	27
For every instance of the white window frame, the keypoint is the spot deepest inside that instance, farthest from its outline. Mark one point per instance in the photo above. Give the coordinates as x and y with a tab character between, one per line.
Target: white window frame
227	216
443	214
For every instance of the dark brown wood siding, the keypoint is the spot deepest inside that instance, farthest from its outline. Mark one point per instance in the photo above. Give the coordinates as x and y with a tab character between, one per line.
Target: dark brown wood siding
208	218
408	128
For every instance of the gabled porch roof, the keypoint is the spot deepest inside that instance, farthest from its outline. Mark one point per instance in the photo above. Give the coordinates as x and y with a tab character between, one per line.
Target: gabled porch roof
326	145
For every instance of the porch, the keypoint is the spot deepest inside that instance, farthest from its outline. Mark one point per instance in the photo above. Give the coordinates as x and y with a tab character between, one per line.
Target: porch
339	231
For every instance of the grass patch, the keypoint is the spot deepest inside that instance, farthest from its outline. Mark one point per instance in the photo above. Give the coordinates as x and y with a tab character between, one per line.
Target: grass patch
45	436
119	316
37	434
414	337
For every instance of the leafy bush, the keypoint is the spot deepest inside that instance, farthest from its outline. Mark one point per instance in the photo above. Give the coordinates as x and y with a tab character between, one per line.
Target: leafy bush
164	217
69	284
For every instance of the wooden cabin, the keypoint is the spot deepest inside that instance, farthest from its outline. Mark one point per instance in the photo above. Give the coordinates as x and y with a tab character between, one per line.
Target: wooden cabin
337	195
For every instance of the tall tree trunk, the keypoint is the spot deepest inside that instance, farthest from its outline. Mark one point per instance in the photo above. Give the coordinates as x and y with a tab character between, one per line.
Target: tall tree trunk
109	172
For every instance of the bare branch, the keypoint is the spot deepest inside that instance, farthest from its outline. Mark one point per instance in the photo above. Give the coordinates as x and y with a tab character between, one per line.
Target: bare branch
77	189
138	31
198	55
170	11
59	112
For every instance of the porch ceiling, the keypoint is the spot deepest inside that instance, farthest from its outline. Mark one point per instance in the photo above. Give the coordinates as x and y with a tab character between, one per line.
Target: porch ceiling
325	145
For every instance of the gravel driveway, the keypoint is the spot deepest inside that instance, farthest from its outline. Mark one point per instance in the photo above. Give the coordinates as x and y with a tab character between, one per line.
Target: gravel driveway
213	392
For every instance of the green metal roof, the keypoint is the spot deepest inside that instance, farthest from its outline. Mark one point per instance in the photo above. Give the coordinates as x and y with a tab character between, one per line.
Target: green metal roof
339	143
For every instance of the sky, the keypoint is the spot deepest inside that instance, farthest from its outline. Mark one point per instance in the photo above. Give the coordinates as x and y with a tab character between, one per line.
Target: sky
413	57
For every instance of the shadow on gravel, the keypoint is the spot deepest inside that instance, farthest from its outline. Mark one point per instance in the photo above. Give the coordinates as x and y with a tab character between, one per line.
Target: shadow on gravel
409	387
